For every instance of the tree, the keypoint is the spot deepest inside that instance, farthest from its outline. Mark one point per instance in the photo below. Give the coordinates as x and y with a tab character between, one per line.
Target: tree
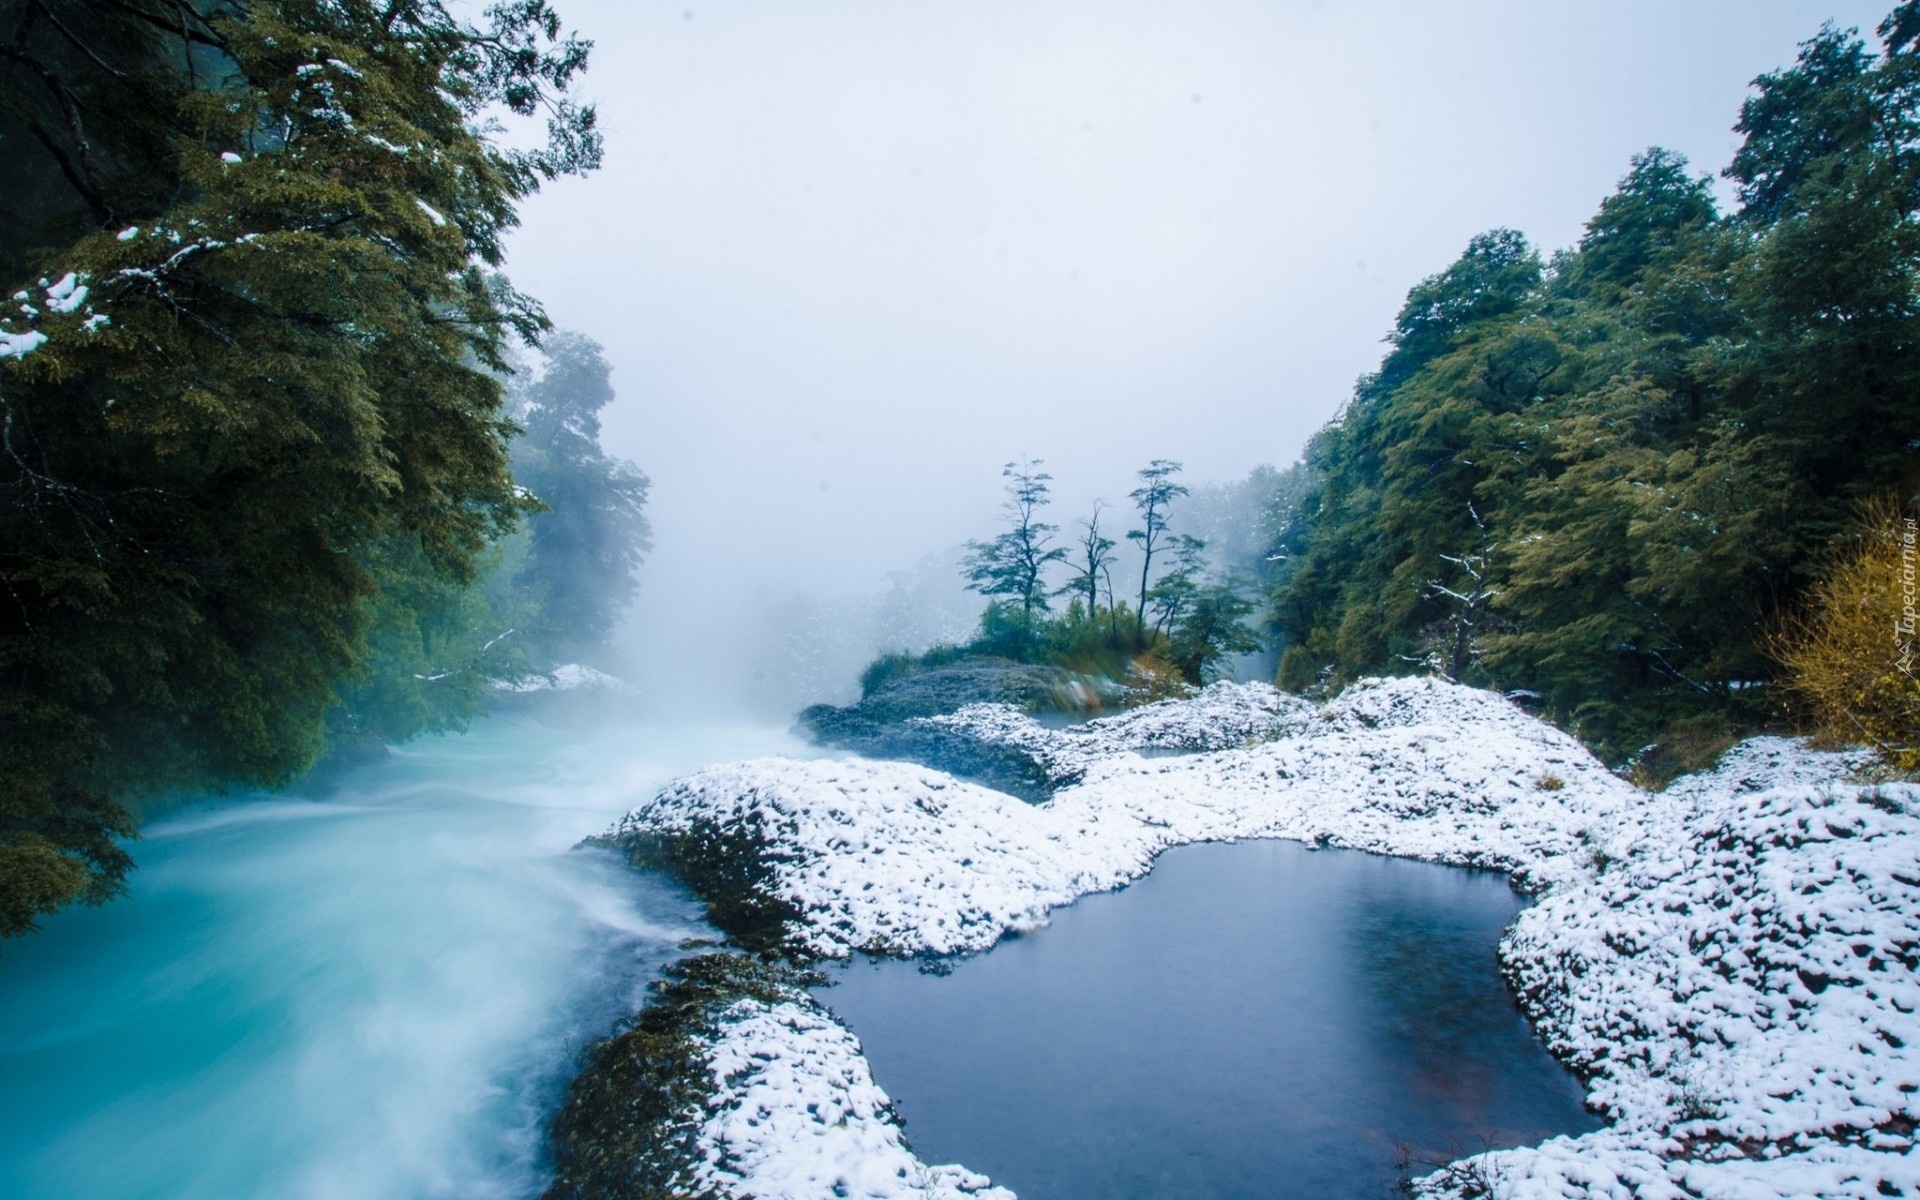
1151	499
1644	223
583	550
1494	277
1212	627
1095	561
255	358
1801	123
1173	593
1014	564
1471	597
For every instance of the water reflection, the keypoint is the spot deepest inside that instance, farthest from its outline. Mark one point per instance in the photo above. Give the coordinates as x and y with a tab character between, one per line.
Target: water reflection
1250	1021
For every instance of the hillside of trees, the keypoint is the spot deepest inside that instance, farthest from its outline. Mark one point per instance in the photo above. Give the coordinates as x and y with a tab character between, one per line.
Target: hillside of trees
258	456
1602	479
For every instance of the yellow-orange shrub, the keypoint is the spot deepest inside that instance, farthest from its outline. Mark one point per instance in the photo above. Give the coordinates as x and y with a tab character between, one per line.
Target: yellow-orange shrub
1853	656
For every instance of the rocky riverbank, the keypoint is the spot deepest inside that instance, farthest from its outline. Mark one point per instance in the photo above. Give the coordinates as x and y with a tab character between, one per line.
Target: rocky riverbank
1729	963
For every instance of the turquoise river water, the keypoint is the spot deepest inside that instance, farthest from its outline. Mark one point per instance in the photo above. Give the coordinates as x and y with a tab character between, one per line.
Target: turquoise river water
379	991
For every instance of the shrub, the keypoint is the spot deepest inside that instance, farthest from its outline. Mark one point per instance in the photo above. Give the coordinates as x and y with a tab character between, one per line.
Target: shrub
1850	657
1298	670
1686	745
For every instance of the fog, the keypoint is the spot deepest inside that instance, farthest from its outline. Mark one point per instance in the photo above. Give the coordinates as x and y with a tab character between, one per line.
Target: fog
847	259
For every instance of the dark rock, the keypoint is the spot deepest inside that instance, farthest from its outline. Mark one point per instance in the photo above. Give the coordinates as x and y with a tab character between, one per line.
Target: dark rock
879	725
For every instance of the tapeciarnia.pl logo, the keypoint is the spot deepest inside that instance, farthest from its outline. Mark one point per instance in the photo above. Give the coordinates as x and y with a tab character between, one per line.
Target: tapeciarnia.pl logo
1904	624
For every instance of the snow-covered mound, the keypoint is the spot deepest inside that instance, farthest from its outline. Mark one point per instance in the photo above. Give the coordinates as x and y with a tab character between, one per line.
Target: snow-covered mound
887	856
1738	978
1223	716
1731	963
796	1115
902	859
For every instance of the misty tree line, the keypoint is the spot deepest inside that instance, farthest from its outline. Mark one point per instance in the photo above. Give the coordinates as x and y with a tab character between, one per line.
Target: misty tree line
550	590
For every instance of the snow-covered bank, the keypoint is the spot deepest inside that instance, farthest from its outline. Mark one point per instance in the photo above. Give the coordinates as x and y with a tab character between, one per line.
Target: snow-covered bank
1738	979
796	1115
1730	961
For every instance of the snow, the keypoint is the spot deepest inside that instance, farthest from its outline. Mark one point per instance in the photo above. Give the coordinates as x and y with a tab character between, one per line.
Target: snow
564	678
229	157
62	296
1730	963
19	345
1223	716
433	214
1739	981
66	295
796	1115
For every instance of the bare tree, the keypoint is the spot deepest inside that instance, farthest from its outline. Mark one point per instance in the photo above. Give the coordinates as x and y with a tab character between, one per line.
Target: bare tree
1471	600
1095	559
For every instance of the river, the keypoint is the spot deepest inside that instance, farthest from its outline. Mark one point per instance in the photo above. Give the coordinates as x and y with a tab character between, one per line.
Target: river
380	990
376	993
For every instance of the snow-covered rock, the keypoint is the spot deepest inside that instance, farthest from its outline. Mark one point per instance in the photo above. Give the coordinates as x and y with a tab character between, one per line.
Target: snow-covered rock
1739	982
1731	962
1223	716
902	859
796	1115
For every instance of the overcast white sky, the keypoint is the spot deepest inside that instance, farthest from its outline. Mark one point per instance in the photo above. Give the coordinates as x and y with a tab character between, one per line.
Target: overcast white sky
847	258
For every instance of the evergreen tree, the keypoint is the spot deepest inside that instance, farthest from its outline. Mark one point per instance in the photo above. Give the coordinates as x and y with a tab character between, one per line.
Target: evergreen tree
247	368
584	548
1151	499
1597	483
1013	565
1213	626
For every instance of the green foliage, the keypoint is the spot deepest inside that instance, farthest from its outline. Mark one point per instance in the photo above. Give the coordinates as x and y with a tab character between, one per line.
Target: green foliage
246	382
1151	499
586	544
434	647
1191	621
1013	565
1211	627
1298	670
1599	482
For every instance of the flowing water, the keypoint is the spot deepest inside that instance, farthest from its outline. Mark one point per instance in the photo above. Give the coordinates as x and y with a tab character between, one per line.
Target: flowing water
1249	1021
379	992
375	993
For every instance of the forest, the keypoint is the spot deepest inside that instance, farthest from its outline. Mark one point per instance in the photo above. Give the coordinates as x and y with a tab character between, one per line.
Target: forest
1611	480
1621	482
276	488
1531	762
273	485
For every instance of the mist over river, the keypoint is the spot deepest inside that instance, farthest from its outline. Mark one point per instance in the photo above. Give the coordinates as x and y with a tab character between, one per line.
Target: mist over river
374	992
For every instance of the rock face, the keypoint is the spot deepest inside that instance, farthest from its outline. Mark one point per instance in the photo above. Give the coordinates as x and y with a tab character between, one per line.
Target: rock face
974	720
887	724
